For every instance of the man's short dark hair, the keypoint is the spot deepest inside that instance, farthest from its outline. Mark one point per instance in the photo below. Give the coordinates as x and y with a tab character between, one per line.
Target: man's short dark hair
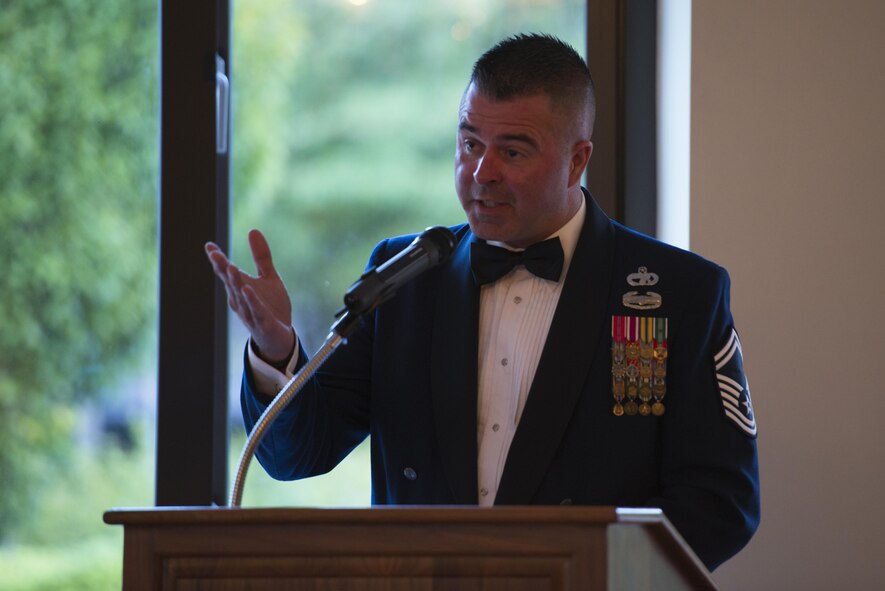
532	64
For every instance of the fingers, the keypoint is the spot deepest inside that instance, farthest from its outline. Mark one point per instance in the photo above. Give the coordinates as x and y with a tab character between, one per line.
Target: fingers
225	271
220	266
261	254
245	300
261	302
217	259
235	282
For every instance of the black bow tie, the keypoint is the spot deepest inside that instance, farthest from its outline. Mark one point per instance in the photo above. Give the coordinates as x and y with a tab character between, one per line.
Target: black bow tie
490	263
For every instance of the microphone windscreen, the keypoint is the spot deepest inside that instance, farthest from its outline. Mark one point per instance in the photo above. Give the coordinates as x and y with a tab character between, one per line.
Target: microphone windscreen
440	243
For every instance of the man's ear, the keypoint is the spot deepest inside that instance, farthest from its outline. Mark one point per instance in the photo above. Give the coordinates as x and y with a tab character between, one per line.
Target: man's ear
580	158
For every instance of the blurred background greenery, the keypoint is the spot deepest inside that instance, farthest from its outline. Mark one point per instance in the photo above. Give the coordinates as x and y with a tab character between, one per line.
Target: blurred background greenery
344	120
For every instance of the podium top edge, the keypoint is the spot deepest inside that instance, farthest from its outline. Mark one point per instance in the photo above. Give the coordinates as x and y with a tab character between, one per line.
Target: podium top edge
387	514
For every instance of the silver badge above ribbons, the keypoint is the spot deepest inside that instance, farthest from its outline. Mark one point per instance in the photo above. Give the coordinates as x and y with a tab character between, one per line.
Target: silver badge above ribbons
642	277
642	301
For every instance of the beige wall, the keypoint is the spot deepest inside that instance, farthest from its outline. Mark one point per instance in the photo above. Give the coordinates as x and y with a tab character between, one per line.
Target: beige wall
787	182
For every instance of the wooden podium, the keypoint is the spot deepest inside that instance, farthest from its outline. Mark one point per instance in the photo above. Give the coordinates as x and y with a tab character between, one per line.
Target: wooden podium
404	548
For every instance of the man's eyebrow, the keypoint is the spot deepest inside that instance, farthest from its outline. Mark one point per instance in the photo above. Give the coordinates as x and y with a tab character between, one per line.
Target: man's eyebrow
507	137
521	138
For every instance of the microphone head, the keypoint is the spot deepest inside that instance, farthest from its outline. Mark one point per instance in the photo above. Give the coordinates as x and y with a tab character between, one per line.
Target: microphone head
439	242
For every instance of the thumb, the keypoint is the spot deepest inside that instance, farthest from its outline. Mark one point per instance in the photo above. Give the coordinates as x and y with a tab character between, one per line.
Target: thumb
261	254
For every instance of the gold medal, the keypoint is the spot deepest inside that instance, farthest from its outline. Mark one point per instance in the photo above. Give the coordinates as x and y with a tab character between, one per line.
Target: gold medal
644	409
632	350
645	392
660	352
657	408
631	408
618	409
618	352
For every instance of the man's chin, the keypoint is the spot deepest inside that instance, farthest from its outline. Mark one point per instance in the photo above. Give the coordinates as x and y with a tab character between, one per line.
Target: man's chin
489	232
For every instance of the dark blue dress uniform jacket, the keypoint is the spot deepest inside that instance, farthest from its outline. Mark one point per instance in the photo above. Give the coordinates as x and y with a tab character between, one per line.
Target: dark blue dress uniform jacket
408	378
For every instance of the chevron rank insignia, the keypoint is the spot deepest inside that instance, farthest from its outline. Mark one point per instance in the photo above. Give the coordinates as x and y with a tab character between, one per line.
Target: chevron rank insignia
733	388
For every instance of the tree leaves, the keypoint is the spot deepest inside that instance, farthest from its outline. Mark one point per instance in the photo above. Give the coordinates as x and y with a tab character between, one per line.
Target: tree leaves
77	208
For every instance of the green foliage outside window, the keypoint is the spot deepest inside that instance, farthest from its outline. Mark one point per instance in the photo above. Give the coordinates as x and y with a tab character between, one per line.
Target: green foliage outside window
78	168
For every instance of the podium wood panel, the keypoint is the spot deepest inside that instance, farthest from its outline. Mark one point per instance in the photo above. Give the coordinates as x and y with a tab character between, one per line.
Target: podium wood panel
404	549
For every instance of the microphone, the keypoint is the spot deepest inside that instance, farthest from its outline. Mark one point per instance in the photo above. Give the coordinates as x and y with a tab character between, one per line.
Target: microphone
430	248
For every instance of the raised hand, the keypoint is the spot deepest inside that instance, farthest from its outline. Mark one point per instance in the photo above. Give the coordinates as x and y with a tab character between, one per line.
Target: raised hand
261	302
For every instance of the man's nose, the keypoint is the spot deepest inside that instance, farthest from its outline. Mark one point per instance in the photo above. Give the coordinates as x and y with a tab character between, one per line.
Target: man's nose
487	170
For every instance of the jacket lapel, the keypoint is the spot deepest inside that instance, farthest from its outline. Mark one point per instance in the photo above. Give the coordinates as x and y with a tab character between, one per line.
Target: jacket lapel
454	345
565	361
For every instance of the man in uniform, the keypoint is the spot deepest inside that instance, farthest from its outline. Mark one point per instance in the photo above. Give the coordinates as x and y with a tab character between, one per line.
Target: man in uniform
556	358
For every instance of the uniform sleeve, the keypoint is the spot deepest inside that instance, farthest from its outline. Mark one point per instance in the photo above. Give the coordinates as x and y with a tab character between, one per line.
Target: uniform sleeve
709	470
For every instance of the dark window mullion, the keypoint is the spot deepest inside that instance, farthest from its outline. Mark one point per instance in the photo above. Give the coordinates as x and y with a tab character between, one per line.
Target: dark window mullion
192	383
622	54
